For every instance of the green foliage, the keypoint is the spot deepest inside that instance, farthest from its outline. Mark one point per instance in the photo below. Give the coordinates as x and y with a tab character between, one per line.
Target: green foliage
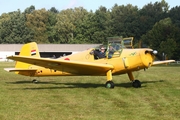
29	10
96	26
50	26
70	25
163	37
174	15
125	21
36	21
65	25
13	29
77	25
4	17
168	47
150	14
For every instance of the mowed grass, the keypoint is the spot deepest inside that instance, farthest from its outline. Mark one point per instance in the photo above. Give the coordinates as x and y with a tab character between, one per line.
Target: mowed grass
86	98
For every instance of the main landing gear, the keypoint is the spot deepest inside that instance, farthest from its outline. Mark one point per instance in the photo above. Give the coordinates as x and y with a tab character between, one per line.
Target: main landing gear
110	83
135	83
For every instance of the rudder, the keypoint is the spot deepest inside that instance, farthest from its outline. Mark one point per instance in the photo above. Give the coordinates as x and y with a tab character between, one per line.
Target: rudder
29	49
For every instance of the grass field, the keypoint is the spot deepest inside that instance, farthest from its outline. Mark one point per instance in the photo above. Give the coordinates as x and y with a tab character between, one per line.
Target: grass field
86	98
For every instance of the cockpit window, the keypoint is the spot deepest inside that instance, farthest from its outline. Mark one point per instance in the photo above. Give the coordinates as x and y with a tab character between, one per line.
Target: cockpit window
114	47
116	44
128	42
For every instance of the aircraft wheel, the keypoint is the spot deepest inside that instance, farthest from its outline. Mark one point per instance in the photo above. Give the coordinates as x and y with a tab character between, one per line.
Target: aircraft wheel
136	84
109	84
34	81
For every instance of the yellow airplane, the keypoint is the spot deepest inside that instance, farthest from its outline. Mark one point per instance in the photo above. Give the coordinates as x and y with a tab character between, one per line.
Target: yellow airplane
120	58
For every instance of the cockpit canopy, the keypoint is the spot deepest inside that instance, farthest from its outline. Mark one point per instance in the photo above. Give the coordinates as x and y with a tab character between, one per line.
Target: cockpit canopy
116	45
119	42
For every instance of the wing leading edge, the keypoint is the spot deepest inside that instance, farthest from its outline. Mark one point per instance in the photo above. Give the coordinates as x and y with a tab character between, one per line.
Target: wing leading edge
76	67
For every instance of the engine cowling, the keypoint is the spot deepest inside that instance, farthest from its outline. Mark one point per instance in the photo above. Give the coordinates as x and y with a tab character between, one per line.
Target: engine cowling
147	57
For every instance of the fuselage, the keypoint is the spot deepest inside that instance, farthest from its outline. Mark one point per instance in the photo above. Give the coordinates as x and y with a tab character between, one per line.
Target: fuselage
123	61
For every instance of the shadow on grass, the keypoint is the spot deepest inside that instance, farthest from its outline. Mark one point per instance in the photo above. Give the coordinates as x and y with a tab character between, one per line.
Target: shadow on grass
157	81
30	82
77	85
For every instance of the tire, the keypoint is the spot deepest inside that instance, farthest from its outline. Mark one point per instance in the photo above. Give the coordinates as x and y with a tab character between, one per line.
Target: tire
136	84
110	84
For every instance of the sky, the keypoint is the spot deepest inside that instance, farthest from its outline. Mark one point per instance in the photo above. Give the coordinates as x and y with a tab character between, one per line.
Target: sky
13	5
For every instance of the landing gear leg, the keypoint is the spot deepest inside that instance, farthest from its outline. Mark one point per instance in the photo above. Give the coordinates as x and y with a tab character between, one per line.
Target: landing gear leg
135	83
109	83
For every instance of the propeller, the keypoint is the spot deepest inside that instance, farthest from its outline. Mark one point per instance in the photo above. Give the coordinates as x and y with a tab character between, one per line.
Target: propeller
157	55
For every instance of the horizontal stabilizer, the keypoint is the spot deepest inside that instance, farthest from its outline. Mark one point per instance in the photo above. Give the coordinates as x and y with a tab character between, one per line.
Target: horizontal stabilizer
18	69
162	62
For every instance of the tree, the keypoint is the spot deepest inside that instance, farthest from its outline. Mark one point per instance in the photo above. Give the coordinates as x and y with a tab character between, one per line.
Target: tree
174	15
14	30
54	10
4	17
101	27
36	21
65	26
150	14
81	30
167	48
29	10
125	21
68	22
50	26
163	37
92	27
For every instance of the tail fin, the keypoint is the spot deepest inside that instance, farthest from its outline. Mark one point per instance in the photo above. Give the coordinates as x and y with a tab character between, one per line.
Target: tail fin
29	49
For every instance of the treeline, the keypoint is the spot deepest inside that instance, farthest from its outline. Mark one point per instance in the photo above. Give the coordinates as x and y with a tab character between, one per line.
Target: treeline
155	26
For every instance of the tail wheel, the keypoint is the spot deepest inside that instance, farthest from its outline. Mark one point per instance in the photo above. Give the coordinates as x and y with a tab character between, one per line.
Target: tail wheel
34	81
136	84
109	84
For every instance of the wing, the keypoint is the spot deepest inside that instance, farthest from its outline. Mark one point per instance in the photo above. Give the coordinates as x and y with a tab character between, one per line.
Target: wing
75	67
162	62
